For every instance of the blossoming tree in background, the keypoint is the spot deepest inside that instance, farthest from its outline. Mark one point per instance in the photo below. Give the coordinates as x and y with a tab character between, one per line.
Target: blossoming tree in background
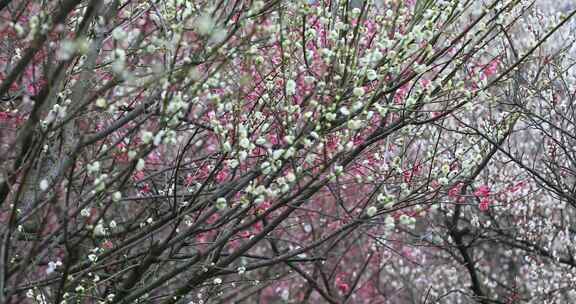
286	151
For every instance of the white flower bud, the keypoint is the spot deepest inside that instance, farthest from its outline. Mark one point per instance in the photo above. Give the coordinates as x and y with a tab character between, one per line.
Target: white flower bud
44	185
290	87
226	147
221	203
116	196
371	75
358	91
99	230
147	137
101	103
371	211
85	212
119	34
245	143
277	154
354	124
140	165
233	163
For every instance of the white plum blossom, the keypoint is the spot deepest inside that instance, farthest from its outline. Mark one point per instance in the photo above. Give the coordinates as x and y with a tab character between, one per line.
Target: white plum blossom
221	203
117	196
244	143
290	87
205	24
92	258
358	91
85	212
371	211
354	124
101	103
371	75
140	164
147	137
44	185
67	50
